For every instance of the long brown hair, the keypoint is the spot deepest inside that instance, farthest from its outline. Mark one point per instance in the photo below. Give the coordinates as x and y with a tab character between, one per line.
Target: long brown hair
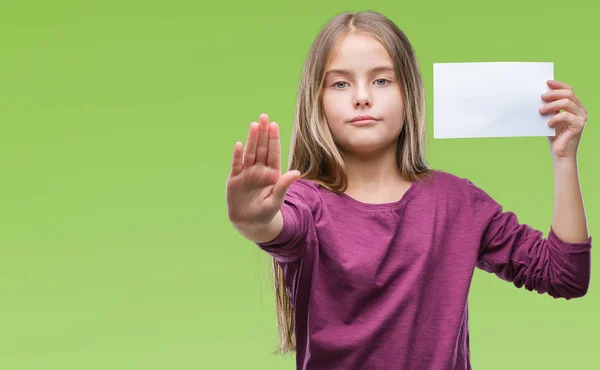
314	151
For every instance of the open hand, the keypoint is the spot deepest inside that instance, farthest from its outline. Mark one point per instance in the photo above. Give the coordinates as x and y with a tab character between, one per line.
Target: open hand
255	187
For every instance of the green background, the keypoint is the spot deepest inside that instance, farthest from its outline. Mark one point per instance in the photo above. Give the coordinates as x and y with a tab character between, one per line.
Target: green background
118	120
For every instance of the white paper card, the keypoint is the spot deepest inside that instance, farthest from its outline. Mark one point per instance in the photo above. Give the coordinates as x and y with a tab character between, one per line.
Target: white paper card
490	99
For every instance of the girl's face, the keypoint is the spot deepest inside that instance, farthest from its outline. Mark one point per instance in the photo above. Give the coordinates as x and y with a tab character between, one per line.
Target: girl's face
355	85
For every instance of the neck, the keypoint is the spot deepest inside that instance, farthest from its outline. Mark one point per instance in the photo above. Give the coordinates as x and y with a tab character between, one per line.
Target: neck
373	171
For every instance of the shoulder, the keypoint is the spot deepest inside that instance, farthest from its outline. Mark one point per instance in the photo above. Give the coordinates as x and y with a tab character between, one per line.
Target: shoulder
305	187
304	190
447	182
460	188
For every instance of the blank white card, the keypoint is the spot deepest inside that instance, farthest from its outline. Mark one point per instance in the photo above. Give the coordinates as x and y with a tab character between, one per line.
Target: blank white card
490	99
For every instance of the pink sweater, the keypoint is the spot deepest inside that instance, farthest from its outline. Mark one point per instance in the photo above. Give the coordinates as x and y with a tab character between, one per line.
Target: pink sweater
385	286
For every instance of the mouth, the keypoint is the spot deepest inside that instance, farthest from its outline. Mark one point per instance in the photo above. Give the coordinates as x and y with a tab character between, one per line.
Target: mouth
363	121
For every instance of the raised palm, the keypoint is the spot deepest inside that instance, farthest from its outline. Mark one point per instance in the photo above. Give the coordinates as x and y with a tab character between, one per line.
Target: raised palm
256	187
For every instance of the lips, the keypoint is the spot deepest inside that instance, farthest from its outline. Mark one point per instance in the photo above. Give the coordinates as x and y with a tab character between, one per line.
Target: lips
363	118
363	121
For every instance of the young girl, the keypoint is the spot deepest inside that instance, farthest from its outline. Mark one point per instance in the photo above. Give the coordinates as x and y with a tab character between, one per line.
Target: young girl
374	252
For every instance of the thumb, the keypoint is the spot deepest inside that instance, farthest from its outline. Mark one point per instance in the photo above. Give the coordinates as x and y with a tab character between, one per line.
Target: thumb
283	184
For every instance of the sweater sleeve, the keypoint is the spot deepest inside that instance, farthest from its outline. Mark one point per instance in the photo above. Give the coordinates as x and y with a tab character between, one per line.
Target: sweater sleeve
297	210
517	253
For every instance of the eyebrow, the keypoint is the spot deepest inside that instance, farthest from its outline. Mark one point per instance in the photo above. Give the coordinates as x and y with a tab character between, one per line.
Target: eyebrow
347	72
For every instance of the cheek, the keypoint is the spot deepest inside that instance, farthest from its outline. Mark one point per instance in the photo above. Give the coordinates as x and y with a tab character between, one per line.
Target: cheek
334	117
391	99
333	109
394	106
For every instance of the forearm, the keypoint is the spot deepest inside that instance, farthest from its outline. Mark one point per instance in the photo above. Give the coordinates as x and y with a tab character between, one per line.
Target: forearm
568	220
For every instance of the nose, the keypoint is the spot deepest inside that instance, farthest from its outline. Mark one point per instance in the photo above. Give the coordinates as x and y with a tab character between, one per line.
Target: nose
362	98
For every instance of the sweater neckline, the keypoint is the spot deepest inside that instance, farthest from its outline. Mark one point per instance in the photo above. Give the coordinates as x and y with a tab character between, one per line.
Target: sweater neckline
368	206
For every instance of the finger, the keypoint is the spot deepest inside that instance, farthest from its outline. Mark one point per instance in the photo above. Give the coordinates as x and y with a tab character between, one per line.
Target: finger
566	104
574	123
236	161
553	95
250	148
263	137
284	182
274	153
562	117
555	84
